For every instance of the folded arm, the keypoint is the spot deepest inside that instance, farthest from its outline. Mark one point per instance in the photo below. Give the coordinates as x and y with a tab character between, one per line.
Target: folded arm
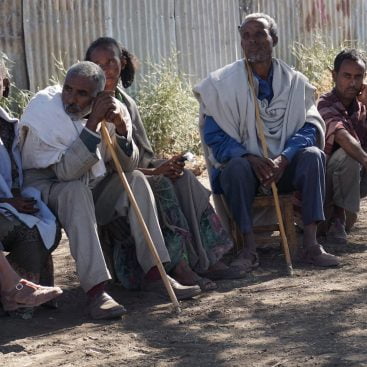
351	146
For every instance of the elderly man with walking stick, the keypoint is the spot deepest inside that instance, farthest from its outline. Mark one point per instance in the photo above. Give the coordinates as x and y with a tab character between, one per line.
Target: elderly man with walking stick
256	100
64	157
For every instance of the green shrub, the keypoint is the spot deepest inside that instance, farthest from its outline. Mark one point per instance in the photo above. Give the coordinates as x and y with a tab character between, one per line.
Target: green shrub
18	98
17	101
169	110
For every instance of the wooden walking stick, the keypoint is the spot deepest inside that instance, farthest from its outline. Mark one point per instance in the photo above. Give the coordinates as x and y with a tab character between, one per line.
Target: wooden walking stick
260	129
148	238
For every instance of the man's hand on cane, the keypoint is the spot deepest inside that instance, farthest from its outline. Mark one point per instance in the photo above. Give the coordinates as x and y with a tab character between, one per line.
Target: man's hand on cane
106	108
280	164
268	170
263	167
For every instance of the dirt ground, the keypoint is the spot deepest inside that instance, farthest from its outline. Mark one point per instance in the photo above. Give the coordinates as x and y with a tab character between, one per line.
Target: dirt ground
315	318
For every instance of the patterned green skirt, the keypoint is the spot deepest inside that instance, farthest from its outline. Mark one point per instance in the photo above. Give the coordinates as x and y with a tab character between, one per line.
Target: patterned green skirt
176	233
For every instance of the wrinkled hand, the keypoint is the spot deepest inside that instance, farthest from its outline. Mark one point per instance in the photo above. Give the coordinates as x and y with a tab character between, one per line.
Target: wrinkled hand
280	164
362	97
268	170
172	168
22	205
106	107
263	167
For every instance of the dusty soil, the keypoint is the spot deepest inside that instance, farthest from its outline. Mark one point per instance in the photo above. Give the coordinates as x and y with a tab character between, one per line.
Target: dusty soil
316	318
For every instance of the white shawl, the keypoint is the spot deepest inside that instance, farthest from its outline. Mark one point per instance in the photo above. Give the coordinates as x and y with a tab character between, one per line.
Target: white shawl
46	132
43	219
225	95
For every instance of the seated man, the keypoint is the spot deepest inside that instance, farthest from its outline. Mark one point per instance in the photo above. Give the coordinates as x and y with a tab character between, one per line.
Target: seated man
344	112
28	229
292	126
63	156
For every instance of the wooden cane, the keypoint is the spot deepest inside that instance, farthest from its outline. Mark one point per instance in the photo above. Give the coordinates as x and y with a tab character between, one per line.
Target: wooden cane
147	236
260	129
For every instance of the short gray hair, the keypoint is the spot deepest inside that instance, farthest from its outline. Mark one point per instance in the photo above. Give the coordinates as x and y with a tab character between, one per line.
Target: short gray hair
89	70
273	27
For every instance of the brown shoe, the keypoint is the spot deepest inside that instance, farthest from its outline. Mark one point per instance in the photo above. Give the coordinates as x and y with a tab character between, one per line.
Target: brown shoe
336	233
181	291
350	220
105	307
316	255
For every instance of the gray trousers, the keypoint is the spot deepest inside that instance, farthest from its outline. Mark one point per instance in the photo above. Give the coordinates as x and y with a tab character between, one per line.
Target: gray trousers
346	182
306	173
73	204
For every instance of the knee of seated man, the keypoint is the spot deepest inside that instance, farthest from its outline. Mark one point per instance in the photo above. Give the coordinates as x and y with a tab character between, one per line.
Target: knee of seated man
235	166
347	161
74	192
312	154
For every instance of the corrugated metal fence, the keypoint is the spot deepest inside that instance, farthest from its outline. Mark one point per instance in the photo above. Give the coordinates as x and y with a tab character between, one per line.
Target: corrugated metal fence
204	32
302	20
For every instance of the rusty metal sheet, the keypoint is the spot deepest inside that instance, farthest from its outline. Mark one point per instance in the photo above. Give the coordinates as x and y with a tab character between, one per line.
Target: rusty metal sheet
302	20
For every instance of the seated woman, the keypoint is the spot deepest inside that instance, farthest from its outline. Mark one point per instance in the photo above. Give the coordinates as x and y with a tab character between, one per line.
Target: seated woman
191	228
28	229
17	292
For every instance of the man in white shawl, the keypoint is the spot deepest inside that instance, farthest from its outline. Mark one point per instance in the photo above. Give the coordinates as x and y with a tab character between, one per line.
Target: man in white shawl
65	158
28	229
292	126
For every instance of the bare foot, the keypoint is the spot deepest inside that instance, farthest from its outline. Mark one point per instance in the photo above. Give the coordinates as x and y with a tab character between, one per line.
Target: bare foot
184	274
217	266
248	261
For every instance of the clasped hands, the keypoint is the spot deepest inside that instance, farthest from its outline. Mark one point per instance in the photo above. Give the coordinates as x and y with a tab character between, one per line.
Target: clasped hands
105	107
268	170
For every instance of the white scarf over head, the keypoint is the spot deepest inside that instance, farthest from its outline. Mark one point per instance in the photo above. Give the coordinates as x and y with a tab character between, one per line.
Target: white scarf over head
45	119
226	96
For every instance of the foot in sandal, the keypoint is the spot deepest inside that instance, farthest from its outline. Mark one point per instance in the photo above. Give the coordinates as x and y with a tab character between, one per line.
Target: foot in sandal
27	294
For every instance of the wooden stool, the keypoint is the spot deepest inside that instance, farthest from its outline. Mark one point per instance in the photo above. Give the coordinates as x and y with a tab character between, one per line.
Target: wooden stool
286	206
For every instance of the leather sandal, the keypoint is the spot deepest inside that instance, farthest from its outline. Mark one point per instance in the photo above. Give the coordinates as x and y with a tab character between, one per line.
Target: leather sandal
27	294
206	284
316	255
231	272
246	264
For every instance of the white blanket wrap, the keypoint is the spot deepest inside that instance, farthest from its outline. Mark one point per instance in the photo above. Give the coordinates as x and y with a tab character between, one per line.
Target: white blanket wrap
225	95
49	132
43	219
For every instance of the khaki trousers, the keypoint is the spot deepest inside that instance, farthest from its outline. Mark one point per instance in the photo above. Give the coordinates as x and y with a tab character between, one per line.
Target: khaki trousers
346	182
73	204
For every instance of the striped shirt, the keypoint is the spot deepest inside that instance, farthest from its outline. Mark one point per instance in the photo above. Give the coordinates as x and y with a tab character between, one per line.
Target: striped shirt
337	117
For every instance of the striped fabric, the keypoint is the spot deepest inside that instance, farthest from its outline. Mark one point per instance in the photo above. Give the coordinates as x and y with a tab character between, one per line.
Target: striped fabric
337	117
